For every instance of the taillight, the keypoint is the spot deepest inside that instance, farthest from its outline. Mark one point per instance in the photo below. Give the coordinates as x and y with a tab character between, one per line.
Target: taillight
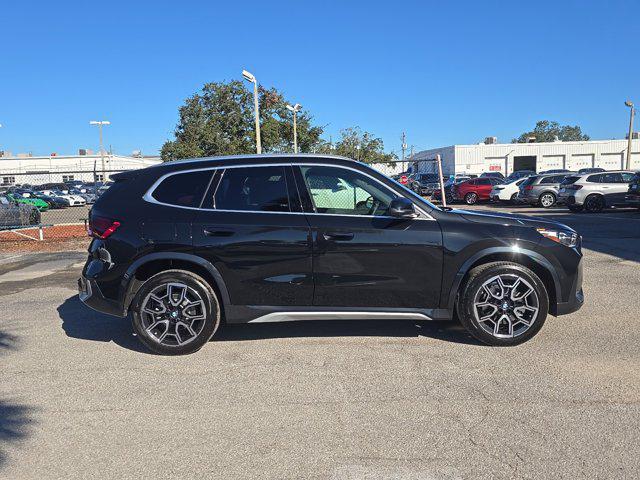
528	187
101	227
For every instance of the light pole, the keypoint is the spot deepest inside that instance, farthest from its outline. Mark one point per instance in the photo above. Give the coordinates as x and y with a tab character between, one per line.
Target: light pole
100	124
295	109
249	77
629	104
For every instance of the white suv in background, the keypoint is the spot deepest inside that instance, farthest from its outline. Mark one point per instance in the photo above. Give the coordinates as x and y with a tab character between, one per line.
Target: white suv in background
505	192
594	191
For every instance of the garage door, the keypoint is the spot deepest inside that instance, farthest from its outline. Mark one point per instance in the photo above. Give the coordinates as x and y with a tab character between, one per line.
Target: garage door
550	162
610	161
576	162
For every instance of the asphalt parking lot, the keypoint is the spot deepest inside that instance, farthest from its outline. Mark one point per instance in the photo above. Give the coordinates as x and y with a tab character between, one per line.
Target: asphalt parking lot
80	398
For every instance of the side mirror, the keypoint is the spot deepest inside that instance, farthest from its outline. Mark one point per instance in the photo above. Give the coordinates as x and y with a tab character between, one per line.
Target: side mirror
402	208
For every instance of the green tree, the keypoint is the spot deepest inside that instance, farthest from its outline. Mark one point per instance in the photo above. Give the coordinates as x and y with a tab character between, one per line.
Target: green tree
548	131
219	120
362	146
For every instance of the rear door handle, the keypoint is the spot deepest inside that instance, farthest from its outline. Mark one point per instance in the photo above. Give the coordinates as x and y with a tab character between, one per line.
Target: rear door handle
217	233
338	236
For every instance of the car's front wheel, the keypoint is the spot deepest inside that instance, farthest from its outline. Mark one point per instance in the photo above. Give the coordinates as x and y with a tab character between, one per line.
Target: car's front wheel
175	312
503	303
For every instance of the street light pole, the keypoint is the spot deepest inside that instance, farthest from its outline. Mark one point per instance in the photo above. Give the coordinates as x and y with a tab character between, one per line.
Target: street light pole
100	124
249	77
629	104
295	109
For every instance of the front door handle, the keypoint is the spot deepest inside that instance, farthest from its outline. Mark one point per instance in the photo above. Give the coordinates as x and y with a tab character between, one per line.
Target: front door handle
217	233
338	236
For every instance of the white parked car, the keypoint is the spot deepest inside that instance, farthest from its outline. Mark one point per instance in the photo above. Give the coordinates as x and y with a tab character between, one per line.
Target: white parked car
505	192
73	200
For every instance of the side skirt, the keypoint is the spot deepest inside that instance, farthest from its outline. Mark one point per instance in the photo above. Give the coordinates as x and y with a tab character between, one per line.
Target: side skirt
269	314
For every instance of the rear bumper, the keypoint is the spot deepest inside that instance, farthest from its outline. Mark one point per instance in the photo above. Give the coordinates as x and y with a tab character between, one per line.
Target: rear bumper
90	294
632	200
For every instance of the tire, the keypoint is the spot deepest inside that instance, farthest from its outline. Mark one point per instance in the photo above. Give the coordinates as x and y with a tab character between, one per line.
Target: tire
513	198
594	203
499	329
471	198
34	217
575	208
187	330
547	200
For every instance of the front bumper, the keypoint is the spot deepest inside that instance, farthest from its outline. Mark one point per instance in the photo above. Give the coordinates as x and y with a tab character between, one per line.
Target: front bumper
575	299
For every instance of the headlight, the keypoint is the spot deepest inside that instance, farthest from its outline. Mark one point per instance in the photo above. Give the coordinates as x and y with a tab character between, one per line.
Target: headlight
568	239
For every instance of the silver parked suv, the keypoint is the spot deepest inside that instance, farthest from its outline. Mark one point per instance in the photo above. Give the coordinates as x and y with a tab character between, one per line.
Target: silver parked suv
595	191
541	190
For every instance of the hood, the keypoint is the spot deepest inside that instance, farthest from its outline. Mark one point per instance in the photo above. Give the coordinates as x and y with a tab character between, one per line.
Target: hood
509	219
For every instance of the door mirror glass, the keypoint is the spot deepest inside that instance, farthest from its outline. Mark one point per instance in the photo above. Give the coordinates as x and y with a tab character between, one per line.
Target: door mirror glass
402	208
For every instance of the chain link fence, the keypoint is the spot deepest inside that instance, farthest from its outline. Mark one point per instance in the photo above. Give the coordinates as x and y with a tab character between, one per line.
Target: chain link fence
52	206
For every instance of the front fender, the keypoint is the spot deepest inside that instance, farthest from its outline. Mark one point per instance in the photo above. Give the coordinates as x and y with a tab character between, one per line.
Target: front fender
503	253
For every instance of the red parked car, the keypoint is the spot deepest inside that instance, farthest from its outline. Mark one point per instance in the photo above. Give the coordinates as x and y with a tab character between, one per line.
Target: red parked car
474	190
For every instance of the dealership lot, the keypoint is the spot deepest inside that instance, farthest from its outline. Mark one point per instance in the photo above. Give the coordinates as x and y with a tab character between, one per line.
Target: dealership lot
79	397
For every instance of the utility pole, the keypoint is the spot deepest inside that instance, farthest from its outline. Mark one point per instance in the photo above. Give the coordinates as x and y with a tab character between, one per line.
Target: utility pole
100	124
404	147
629	104
442	195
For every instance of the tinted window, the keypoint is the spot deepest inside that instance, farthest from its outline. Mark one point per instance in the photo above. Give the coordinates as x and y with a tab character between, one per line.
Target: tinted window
570	180
182	189
627	177
594	178
345	192
556	179
483	181
529	180
257	189
611	178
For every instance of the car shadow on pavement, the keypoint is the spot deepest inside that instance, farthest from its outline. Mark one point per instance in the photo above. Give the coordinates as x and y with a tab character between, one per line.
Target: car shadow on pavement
441	330
79	321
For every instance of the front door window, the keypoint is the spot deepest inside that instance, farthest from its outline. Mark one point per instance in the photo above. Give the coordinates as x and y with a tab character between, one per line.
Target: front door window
345	192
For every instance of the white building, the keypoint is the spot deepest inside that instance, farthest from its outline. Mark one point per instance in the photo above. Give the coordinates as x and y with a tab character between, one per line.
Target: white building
507	157
54	168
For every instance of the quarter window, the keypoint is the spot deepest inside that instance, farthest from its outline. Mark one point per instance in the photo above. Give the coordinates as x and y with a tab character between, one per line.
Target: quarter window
345	192
183	189
257	189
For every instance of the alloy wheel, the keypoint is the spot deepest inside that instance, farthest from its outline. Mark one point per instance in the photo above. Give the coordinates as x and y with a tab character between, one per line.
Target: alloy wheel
506	306
173	314
471	198
547	200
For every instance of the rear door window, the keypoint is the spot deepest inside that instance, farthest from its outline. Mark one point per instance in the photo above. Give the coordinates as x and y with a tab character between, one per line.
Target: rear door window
183	189
570	180
594	178
610	178
253	189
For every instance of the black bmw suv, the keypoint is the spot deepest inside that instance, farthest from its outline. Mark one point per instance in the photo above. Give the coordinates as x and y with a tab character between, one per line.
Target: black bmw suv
189	245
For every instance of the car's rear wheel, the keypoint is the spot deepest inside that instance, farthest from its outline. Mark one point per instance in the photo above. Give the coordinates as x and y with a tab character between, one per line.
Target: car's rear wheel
175	312
547	200
513	198
503	304
471	198
594	203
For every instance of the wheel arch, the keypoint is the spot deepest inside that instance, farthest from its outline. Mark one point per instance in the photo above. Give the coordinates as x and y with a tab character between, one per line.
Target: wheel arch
147	266
530	259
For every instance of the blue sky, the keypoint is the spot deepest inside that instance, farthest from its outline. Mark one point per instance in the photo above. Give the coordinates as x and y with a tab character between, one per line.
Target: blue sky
444	72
